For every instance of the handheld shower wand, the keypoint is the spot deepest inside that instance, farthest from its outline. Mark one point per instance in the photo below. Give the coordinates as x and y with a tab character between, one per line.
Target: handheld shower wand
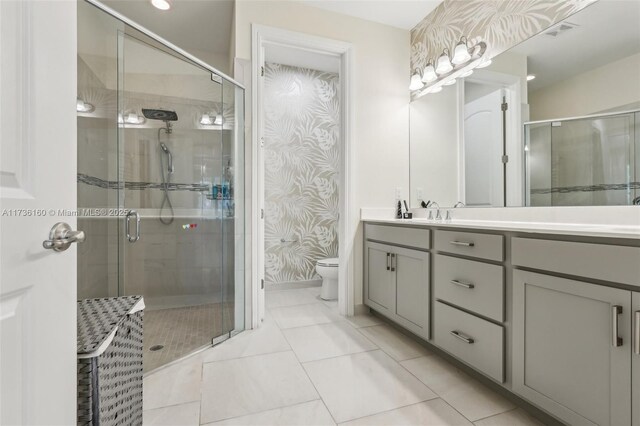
166	151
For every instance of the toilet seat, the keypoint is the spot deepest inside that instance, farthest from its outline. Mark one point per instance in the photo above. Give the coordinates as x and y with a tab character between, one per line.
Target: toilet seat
331	262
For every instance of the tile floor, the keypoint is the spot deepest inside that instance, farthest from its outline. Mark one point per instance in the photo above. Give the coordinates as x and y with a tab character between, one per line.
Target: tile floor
182	330
307	365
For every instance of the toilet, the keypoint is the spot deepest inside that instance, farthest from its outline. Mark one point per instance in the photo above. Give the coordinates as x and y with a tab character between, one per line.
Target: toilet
328	270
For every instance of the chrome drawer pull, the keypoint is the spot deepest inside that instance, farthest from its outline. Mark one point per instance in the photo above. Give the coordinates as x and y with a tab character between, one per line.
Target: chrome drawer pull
462	284
462	243
393	262
636	344
462	337
616	311
388	264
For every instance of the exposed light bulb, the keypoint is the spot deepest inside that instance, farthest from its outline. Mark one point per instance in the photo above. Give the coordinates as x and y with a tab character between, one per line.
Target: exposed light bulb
82	106
444	63
531	77
130	118
161	4
416	82
461	52
429	73
219	119
206	120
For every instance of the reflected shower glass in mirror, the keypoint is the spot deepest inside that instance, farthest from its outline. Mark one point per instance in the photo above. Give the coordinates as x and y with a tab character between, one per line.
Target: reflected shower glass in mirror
551	122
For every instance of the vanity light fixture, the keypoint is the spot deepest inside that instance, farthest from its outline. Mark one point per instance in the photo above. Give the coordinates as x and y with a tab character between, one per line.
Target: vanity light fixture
446	71
429	74
206	120
131	117
161	4
416	81
531	77
82	106
444	65
211	119
461	52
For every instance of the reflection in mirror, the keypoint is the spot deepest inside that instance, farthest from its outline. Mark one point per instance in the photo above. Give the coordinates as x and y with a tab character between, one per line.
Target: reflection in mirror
553	121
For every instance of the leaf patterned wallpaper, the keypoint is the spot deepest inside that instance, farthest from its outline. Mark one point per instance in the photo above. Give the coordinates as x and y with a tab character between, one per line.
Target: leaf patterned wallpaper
500	23
302	153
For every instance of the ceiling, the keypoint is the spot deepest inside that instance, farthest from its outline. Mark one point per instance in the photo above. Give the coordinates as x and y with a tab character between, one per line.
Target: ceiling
190	24
403	14
606	31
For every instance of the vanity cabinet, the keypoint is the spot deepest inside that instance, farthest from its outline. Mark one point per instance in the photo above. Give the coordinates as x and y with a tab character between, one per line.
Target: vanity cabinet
571	348
397	282
635	359
553	319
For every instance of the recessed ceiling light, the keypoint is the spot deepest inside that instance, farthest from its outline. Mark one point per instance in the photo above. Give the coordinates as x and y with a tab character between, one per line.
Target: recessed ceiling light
161	4
530	77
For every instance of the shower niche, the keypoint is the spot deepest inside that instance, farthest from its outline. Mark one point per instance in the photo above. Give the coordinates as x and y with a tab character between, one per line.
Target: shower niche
160	161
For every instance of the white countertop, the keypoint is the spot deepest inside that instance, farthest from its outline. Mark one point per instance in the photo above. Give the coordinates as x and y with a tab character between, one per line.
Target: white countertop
532	227
621	229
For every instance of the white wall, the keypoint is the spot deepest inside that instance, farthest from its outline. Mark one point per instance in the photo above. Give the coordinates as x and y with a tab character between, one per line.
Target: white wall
380	104
597	90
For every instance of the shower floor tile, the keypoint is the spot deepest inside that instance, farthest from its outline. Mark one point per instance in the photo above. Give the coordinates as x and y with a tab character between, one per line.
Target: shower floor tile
182	330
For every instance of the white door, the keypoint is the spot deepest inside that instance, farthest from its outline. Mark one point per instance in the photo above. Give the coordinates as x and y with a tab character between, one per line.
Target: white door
483	147
37	178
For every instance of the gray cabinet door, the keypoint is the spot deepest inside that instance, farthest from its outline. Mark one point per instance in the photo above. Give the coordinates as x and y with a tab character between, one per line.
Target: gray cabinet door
564	356
635	364
411	268
379	288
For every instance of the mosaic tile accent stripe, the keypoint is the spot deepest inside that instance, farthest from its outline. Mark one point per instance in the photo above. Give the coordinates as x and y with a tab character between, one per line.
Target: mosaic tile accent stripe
140	186
588	188
500	23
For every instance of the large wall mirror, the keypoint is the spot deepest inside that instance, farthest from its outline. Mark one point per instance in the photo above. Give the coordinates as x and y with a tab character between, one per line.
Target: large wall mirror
554	121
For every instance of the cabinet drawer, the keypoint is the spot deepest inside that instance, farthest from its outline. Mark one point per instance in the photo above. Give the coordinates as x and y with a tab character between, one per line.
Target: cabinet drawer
619	264
410	237
473	340
483	246
475	286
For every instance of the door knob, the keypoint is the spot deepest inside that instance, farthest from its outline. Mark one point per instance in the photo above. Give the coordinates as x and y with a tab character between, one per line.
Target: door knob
61	237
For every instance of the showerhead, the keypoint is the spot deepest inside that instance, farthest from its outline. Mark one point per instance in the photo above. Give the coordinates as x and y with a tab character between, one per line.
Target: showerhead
159	114
165	149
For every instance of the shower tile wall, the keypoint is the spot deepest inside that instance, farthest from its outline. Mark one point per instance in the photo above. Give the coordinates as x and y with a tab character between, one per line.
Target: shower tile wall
302	152
169	265
586	162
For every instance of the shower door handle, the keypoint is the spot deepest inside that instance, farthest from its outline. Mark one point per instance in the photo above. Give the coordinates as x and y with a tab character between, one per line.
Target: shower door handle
136	237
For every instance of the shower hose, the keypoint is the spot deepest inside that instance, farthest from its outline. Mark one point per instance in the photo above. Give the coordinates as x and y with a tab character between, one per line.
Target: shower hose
166	179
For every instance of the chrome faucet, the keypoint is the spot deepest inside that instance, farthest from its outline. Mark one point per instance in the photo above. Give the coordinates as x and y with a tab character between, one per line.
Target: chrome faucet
438	215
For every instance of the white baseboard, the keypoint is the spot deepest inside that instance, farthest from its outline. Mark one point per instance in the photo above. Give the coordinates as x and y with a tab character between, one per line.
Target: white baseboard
360	309
290	285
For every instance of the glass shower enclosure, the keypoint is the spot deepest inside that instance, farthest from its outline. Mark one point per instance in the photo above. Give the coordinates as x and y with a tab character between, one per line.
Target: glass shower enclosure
160	186
585	161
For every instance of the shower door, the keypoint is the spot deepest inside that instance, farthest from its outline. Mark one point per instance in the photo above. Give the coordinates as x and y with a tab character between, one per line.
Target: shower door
174	194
